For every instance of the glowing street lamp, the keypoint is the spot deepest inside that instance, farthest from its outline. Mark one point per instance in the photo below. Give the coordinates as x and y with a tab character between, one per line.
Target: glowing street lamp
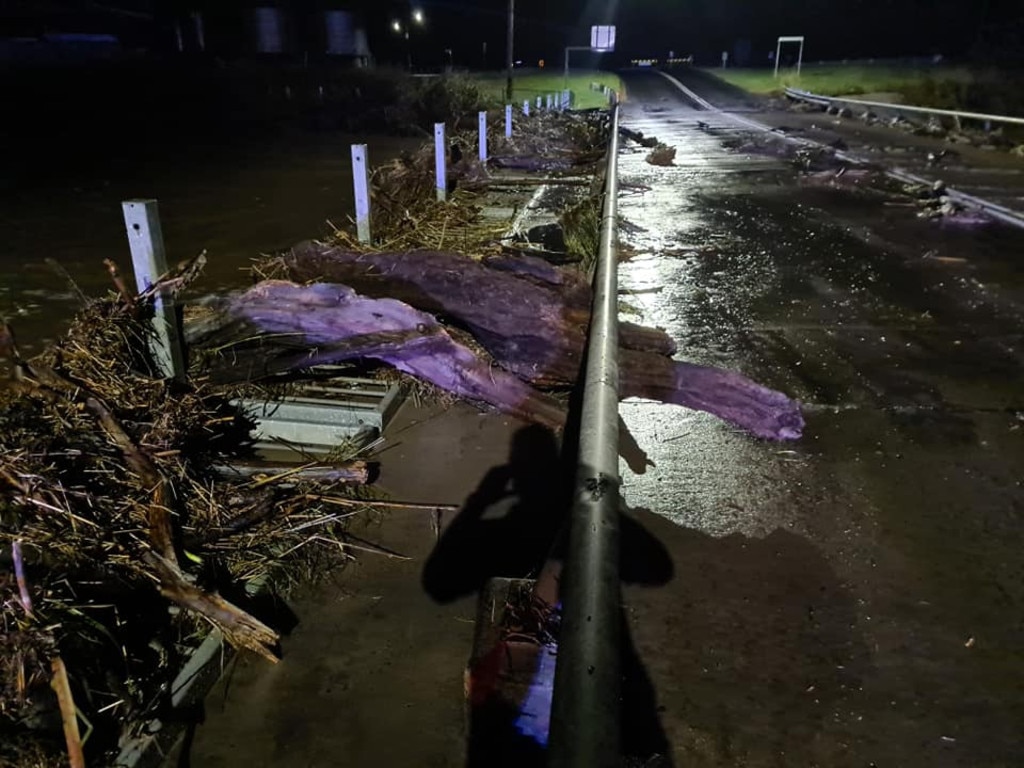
418	18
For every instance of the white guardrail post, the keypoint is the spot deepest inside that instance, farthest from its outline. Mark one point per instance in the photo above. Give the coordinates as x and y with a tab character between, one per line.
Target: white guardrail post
482	129
440	163
361	183
508	121
149	261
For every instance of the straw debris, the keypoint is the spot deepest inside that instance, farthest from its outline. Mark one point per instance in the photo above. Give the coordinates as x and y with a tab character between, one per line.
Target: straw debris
405	212
120	544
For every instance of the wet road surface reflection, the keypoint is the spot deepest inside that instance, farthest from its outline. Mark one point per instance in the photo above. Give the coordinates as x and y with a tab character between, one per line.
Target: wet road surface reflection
888	539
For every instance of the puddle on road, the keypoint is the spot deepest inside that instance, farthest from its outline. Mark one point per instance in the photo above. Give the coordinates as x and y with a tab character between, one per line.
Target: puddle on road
810	289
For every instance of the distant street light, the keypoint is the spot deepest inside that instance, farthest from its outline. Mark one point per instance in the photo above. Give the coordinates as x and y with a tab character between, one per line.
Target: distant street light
419	19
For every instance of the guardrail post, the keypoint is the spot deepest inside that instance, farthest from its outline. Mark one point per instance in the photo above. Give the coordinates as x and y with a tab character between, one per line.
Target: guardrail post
149	262
482	118
508	121
526	107
548	102
540	102
361	183
440	163
585	713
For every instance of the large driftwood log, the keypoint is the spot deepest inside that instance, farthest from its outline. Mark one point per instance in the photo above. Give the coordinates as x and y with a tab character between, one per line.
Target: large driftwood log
532	322
278	326
532	318
285	327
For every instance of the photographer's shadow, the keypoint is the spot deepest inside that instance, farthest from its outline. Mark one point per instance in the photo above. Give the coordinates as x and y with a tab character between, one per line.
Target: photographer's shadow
513	523
508	525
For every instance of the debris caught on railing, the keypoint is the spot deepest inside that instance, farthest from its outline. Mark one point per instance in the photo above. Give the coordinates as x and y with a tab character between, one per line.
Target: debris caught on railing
662	155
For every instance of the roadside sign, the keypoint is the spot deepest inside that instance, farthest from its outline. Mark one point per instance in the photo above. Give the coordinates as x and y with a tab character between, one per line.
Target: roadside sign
602	38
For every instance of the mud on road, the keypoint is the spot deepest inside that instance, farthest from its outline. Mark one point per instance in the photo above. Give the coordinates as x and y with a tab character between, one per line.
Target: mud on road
855	598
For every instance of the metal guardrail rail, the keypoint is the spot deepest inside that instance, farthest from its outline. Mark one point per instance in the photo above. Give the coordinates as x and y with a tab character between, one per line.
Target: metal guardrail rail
828	101
585	717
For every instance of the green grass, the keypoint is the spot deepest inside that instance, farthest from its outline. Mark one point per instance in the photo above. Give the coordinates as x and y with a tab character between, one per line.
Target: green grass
945	87
846	80
531	83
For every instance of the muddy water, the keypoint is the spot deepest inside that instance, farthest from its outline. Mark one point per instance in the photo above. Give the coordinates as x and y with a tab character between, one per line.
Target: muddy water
233	202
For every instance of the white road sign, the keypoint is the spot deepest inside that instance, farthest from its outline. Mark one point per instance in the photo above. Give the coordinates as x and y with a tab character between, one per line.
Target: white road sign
602	38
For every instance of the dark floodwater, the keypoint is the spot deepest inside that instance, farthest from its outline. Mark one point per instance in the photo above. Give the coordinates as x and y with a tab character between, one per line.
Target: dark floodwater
235	202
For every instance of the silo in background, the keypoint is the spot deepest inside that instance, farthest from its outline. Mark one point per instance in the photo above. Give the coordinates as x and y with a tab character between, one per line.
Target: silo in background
345	37
269	28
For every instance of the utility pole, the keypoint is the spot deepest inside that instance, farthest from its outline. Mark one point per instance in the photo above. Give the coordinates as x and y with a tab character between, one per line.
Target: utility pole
510	58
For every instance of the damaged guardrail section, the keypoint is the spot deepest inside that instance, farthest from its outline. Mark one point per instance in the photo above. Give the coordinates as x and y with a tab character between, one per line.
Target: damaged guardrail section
585	707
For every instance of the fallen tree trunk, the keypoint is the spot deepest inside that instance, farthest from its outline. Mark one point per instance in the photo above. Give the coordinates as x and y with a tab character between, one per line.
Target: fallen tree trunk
278	326
285	327
531	321
729	395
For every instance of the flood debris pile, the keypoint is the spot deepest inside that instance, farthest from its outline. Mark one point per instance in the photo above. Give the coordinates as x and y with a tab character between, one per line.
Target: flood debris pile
821	166
554	141
951	129
121	545
662	154
407	214
405	211
501	328
504	332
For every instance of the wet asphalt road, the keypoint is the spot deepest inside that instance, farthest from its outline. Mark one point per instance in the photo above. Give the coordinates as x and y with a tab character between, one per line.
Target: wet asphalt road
853	598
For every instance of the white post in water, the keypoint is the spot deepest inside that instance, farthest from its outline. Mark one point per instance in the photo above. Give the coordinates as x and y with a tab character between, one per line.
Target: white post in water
149	261
482	118
508	121
526	107
440	163
360	180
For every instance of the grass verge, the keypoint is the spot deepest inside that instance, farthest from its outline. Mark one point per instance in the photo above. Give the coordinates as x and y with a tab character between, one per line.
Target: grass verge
943	87
531	83
843	79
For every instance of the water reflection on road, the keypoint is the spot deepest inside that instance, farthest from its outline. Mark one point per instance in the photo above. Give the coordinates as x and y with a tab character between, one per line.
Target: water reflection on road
832	591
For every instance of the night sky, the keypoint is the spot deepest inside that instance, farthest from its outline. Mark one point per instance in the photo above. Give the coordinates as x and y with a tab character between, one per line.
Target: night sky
835	29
